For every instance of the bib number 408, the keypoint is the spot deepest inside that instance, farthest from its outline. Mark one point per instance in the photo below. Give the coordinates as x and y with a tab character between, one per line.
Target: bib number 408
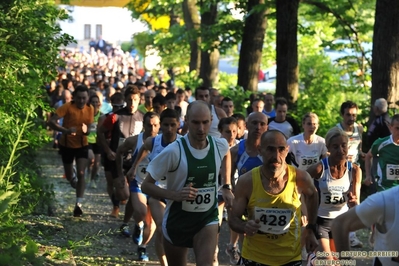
201	198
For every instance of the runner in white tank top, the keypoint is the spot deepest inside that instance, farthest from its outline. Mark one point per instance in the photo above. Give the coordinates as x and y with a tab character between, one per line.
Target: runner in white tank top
339	182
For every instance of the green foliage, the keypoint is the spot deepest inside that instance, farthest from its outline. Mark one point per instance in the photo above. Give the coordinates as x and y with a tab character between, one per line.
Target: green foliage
239	96
29	40
323	91
188	79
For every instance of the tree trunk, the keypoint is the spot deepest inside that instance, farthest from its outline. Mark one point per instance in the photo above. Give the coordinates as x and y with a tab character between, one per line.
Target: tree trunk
193	23
209	58
385	64
287	50
251	47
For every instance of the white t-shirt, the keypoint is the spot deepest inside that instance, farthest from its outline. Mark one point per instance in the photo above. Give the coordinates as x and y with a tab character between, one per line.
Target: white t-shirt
382	208
303	154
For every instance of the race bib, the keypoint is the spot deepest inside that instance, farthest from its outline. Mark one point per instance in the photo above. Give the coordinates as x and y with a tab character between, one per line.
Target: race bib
273	221
307	160
161	182
204	201
335	198
392	172
141	171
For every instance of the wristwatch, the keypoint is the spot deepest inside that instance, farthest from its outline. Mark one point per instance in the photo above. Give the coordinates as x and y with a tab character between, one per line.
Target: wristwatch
227	186
312	227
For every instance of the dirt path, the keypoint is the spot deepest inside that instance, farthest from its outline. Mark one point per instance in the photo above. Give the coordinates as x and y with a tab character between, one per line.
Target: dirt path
93	239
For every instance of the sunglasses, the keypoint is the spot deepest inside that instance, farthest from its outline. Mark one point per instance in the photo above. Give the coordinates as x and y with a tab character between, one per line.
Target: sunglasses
117	105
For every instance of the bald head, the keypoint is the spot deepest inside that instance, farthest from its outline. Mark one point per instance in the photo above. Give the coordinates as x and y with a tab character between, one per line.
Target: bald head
148	96
198	106
256	124
272	135
66	96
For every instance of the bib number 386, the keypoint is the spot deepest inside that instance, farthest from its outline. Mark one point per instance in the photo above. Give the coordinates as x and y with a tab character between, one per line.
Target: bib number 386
204	201
273	221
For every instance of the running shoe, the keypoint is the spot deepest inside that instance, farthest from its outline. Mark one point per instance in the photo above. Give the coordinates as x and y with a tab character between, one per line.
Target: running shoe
142	254
233	253
77	212
355	242
93	184
124	229
138	234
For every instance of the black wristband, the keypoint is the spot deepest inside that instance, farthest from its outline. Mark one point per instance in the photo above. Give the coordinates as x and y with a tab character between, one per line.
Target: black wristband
227	186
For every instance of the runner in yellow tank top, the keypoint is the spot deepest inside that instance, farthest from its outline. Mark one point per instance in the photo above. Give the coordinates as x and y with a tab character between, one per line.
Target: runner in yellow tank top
271	194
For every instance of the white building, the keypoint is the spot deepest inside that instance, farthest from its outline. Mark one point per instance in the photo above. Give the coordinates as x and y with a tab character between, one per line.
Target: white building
114	24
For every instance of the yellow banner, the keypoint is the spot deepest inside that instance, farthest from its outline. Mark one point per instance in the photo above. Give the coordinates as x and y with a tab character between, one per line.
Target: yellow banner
96	3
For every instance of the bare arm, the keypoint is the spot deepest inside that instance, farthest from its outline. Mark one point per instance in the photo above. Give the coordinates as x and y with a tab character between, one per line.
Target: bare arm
226	179
367	165
129	144
220	112
357	183
233	159
144	150
305	186
361	153
53	123
242	194
342	225
315	170
186	193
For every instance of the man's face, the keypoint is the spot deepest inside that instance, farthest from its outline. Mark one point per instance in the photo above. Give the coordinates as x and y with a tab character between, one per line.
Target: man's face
228	107
158	108
81	98
180	97
170	104
132	102
269	101
241	128
163	92
199	122
258	106
229	132
256	125
152	125
394	127
169	127
281	112
148	96
349	116
202	95
274	150
214	94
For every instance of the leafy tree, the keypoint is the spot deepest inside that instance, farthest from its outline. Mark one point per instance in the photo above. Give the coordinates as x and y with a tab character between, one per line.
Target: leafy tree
29	41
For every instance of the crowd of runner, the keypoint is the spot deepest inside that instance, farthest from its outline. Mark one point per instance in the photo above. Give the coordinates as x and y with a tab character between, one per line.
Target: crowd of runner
183	163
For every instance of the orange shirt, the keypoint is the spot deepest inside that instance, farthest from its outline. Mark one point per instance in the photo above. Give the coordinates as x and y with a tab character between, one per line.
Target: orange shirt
75	117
